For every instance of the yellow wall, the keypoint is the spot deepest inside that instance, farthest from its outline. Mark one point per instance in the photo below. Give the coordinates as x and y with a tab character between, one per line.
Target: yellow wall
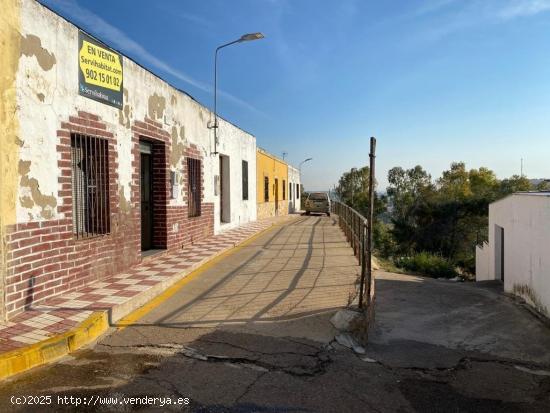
10	39
274	168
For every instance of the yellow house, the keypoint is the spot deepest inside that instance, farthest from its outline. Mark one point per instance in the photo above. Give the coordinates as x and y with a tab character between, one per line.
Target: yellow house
272	185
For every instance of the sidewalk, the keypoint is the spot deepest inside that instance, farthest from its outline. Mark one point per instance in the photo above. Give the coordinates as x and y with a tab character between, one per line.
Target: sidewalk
97	306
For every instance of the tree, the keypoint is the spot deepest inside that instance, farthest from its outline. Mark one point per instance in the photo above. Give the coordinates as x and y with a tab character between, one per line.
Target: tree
449	217
353	186
407	190
543	185
446	217
514	184
483	183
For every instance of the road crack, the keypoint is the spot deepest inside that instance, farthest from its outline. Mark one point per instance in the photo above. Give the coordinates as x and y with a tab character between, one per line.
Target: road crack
320	361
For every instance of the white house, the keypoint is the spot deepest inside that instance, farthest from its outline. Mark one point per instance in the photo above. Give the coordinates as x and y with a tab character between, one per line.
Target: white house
518	251
293	189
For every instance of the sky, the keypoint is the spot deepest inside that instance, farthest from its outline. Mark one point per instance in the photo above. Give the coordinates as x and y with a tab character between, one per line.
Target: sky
435	81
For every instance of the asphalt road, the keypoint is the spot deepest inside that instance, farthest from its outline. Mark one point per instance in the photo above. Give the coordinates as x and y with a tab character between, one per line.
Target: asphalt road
252	334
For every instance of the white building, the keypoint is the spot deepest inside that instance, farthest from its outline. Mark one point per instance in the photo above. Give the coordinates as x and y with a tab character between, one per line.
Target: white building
294	186
518	251
101	160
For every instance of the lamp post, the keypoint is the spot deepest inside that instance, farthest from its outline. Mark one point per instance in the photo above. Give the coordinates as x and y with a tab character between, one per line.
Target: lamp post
243	38
304	161
300	173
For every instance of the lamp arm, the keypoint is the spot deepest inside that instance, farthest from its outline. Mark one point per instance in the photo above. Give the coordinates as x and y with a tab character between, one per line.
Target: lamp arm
216	92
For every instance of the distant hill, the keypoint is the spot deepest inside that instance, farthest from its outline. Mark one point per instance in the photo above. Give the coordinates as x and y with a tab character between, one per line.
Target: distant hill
536	182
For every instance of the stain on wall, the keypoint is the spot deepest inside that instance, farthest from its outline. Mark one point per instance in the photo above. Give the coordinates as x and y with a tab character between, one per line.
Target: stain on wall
529	295
156	106
46	203
31	45
125	113
124	206
178	147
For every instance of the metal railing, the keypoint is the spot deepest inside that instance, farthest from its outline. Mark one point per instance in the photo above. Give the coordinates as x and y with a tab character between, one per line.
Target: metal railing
355	227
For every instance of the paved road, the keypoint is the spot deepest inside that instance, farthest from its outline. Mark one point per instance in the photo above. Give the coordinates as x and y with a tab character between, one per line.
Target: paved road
252	335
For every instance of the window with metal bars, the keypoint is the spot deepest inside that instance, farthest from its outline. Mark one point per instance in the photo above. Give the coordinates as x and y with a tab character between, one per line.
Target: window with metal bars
284	189
266	189
90	185
194	186
245	180
297	191
290	190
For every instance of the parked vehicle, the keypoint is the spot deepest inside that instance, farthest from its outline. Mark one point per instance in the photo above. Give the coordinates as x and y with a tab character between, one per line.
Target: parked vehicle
318	202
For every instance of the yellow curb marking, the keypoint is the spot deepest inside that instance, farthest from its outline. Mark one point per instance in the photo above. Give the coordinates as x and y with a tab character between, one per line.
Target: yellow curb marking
23	359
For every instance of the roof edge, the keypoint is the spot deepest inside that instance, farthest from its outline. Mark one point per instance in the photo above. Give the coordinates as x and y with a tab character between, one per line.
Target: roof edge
39	2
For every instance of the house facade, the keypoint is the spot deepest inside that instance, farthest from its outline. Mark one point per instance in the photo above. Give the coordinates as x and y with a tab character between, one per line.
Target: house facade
294	184
517	252
102	161
271	185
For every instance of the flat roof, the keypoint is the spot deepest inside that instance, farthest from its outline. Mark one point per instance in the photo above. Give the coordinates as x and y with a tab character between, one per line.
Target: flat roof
267	153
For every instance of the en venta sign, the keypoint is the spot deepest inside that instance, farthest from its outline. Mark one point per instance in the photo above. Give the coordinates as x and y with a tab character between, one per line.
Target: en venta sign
100	71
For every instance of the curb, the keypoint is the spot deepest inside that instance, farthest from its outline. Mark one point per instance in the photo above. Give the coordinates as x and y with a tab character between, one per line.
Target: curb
52	349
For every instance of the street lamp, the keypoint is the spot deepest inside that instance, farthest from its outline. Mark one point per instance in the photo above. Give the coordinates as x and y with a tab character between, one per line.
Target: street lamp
243	38
300	169
304	161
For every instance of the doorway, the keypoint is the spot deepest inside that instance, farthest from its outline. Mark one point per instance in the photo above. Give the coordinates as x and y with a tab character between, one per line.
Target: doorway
276	196
499	253
146	190
225	190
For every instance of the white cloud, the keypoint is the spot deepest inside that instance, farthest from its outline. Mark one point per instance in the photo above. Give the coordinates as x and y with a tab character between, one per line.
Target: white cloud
468	14
120	40
524	8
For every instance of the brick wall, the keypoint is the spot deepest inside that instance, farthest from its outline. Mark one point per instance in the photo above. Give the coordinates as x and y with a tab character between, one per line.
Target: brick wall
45	259
197	228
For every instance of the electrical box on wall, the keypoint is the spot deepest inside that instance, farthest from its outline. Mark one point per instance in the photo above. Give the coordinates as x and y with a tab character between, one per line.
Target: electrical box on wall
174	184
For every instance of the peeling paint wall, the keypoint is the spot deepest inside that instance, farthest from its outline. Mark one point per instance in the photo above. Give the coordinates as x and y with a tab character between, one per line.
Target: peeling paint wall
526	222
47	87
31	46
39	87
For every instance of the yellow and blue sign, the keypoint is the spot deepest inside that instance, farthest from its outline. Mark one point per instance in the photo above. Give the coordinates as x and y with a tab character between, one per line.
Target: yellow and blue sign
100	75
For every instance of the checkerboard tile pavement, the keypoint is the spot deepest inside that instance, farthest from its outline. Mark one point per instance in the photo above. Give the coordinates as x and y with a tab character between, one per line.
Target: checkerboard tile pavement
64	312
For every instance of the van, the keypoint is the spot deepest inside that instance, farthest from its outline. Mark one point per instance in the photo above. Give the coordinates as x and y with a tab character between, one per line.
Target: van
318	202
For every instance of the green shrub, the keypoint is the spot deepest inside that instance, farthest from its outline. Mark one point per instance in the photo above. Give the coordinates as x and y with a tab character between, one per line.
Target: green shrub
427	264
384	243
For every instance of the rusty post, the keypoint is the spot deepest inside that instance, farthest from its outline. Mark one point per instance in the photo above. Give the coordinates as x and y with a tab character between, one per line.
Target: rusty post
370	223
363	267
